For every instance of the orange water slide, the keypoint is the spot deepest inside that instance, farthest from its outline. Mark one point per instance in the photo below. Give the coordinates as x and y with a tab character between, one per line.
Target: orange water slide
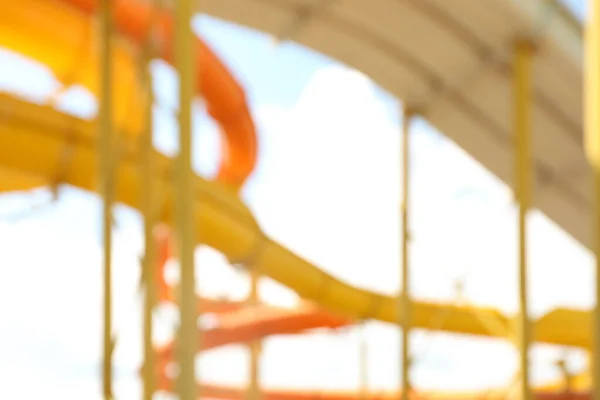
61	35
225	98
248	325
254	323
236	323
221	392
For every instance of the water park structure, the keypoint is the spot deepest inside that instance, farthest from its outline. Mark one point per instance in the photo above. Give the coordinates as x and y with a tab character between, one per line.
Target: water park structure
515	83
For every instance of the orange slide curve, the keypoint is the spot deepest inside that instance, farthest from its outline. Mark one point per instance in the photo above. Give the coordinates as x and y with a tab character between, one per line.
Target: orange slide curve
57	40
236	393
239	324
236	323
225	98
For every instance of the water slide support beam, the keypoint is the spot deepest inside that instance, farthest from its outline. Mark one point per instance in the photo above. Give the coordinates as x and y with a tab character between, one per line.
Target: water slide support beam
405	306
148	195
363	381
187	343
523	55
107	186
592	147
253	391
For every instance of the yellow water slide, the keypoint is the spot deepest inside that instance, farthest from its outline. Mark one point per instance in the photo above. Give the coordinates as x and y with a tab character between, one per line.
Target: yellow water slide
57	36
63	35
34	140
41	146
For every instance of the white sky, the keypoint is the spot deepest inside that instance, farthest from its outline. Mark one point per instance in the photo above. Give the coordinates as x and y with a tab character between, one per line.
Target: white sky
327	188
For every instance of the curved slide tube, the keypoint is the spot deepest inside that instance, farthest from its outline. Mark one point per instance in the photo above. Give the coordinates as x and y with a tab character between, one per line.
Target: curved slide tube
251	324
59	34
32	148
219	392
64	40
241	325
267	318
245	325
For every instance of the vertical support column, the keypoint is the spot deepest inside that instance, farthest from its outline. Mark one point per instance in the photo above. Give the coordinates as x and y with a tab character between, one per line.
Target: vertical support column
363	381
523	52
107	183
405	303
592	147
254	391
187	343
148	208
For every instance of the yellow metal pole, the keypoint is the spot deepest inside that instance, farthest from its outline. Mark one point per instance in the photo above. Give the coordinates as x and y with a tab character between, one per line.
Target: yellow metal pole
592	145
148	208
405	306
106	169
253	391
187	343
363	381
523	53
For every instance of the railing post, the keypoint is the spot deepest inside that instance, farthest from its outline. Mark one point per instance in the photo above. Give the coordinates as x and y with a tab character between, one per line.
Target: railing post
523	55
106	162
592	146
185	196
405	303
